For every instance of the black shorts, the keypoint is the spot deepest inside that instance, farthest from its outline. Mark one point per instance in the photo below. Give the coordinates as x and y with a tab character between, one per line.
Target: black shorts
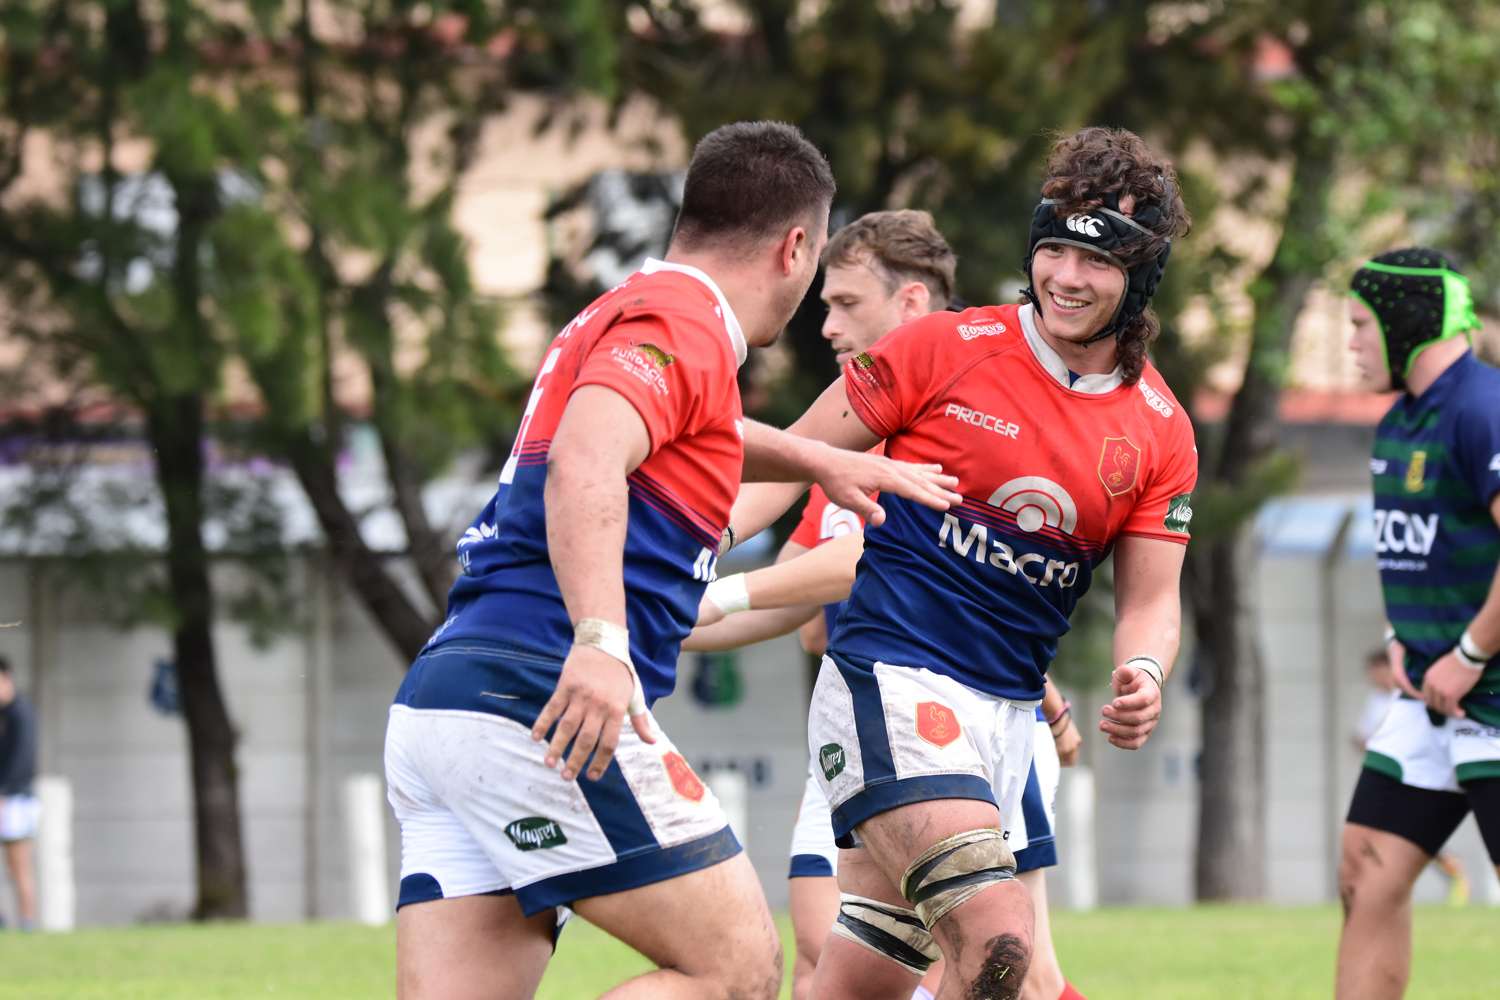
1425	817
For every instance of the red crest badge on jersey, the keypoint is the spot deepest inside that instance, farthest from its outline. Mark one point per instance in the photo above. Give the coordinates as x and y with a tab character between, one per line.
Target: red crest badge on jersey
1118	464
936	723
684	781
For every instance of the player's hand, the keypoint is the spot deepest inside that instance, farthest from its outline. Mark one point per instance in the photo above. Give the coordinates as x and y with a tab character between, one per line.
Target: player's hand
849	477
709	613
588	707
1133	714
1068	742
1445	684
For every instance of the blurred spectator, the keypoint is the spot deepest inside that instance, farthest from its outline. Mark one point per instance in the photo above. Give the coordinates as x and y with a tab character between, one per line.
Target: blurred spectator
19	809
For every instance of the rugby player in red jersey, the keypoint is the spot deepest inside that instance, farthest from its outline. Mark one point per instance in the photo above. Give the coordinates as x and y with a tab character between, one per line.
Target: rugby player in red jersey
880	271
580	579
1067	446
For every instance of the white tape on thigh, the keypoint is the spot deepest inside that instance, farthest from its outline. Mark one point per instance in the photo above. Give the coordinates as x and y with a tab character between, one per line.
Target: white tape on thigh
955	870
892	932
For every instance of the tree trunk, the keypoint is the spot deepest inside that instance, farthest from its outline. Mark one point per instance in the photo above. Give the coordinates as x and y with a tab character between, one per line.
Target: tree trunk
434	559
176	427
392	610
1231	848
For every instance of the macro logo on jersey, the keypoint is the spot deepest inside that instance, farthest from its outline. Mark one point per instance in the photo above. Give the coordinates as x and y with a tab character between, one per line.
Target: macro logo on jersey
684	781
1118	464
535	833
969	332
1179	513
1037	503
831	759
937	724
1088	225
1415	471
1155	399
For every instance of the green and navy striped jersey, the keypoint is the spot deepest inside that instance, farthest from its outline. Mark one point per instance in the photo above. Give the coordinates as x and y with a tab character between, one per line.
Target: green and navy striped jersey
1436	468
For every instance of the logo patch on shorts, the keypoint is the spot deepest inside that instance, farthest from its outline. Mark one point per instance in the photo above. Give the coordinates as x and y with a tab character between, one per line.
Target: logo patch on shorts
684	781
936	723
831	759
535	833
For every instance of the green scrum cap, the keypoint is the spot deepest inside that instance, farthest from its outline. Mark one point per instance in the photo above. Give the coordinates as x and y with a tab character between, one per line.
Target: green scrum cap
1418	299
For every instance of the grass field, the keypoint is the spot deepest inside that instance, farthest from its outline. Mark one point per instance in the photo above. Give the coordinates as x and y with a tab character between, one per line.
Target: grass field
1209	953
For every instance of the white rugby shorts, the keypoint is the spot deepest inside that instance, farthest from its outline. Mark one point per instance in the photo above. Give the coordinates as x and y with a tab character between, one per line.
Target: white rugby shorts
884	736
19	817
481	814
1409	748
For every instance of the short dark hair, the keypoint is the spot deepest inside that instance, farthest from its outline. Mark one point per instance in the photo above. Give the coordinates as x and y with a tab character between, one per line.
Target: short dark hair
4	665
899	247
749	182
1097	161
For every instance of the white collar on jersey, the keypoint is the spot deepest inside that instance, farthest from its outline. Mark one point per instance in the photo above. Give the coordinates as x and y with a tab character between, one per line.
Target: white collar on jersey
1056	366
731	322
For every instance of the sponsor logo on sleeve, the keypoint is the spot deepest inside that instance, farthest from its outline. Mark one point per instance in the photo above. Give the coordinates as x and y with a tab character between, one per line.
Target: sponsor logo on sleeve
1495	463
535	833
1118	464
969	331
658	356
1156	400
684	781
1377	466
646	362
1179	513
863	360
831	759
1416	471
937	724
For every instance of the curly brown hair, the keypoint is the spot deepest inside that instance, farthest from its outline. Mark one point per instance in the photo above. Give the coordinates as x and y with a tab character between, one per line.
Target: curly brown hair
1096	161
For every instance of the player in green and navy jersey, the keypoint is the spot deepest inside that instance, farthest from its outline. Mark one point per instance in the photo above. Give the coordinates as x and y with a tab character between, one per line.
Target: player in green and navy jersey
1436	466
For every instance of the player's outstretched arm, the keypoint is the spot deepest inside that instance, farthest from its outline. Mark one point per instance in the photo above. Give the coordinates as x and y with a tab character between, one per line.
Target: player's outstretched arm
1450	679
828	445
600	440
823	575
1148	631
748	627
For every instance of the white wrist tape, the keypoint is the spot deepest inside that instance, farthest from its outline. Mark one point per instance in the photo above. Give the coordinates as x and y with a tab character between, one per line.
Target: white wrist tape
729	594
607	637
1390	635
1152	668
1469	654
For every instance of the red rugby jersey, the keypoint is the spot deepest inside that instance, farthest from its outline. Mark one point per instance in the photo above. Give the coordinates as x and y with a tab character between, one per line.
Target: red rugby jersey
1051	475
668	342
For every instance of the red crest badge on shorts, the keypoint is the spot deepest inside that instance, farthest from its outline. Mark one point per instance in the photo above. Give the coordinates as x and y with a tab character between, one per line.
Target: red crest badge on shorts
1118	464
936	723
684	781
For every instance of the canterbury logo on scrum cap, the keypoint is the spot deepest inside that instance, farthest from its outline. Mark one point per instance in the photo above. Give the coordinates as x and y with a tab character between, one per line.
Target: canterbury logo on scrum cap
1086	225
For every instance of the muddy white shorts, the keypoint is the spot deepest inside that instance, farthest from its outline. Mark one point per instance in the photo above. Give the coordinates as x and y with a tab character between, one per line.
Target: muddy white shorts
481	814
885	736
813	850
1409	748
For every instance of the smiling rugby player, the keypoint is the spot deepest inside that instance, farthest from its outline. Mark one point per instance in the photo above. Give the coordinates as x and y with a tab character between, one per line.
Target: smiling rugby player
926	698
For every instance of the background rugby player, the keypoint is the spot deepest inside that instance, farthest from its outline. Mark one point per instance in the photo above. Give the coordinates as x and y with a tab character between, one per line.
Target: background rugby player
580	579
1436	467
926	697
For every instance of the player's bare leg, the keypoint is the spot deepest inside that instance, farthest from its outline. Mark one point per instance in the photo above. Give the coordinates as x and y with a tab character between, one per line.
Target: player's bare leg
1045	980
1375	881
471	948
986	941
815	906
18	857
710	932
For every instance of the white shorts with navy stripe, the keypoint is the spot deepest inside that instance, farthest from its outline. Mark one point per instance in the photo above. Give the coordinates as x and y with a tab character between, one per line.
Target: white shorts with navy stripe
885	736
1032	838
481	814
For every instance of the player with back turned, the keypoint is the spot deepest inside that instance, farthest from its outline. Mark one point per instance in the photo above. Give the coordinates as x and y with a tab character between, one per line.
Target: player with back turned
924	706
519	783
1436	753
